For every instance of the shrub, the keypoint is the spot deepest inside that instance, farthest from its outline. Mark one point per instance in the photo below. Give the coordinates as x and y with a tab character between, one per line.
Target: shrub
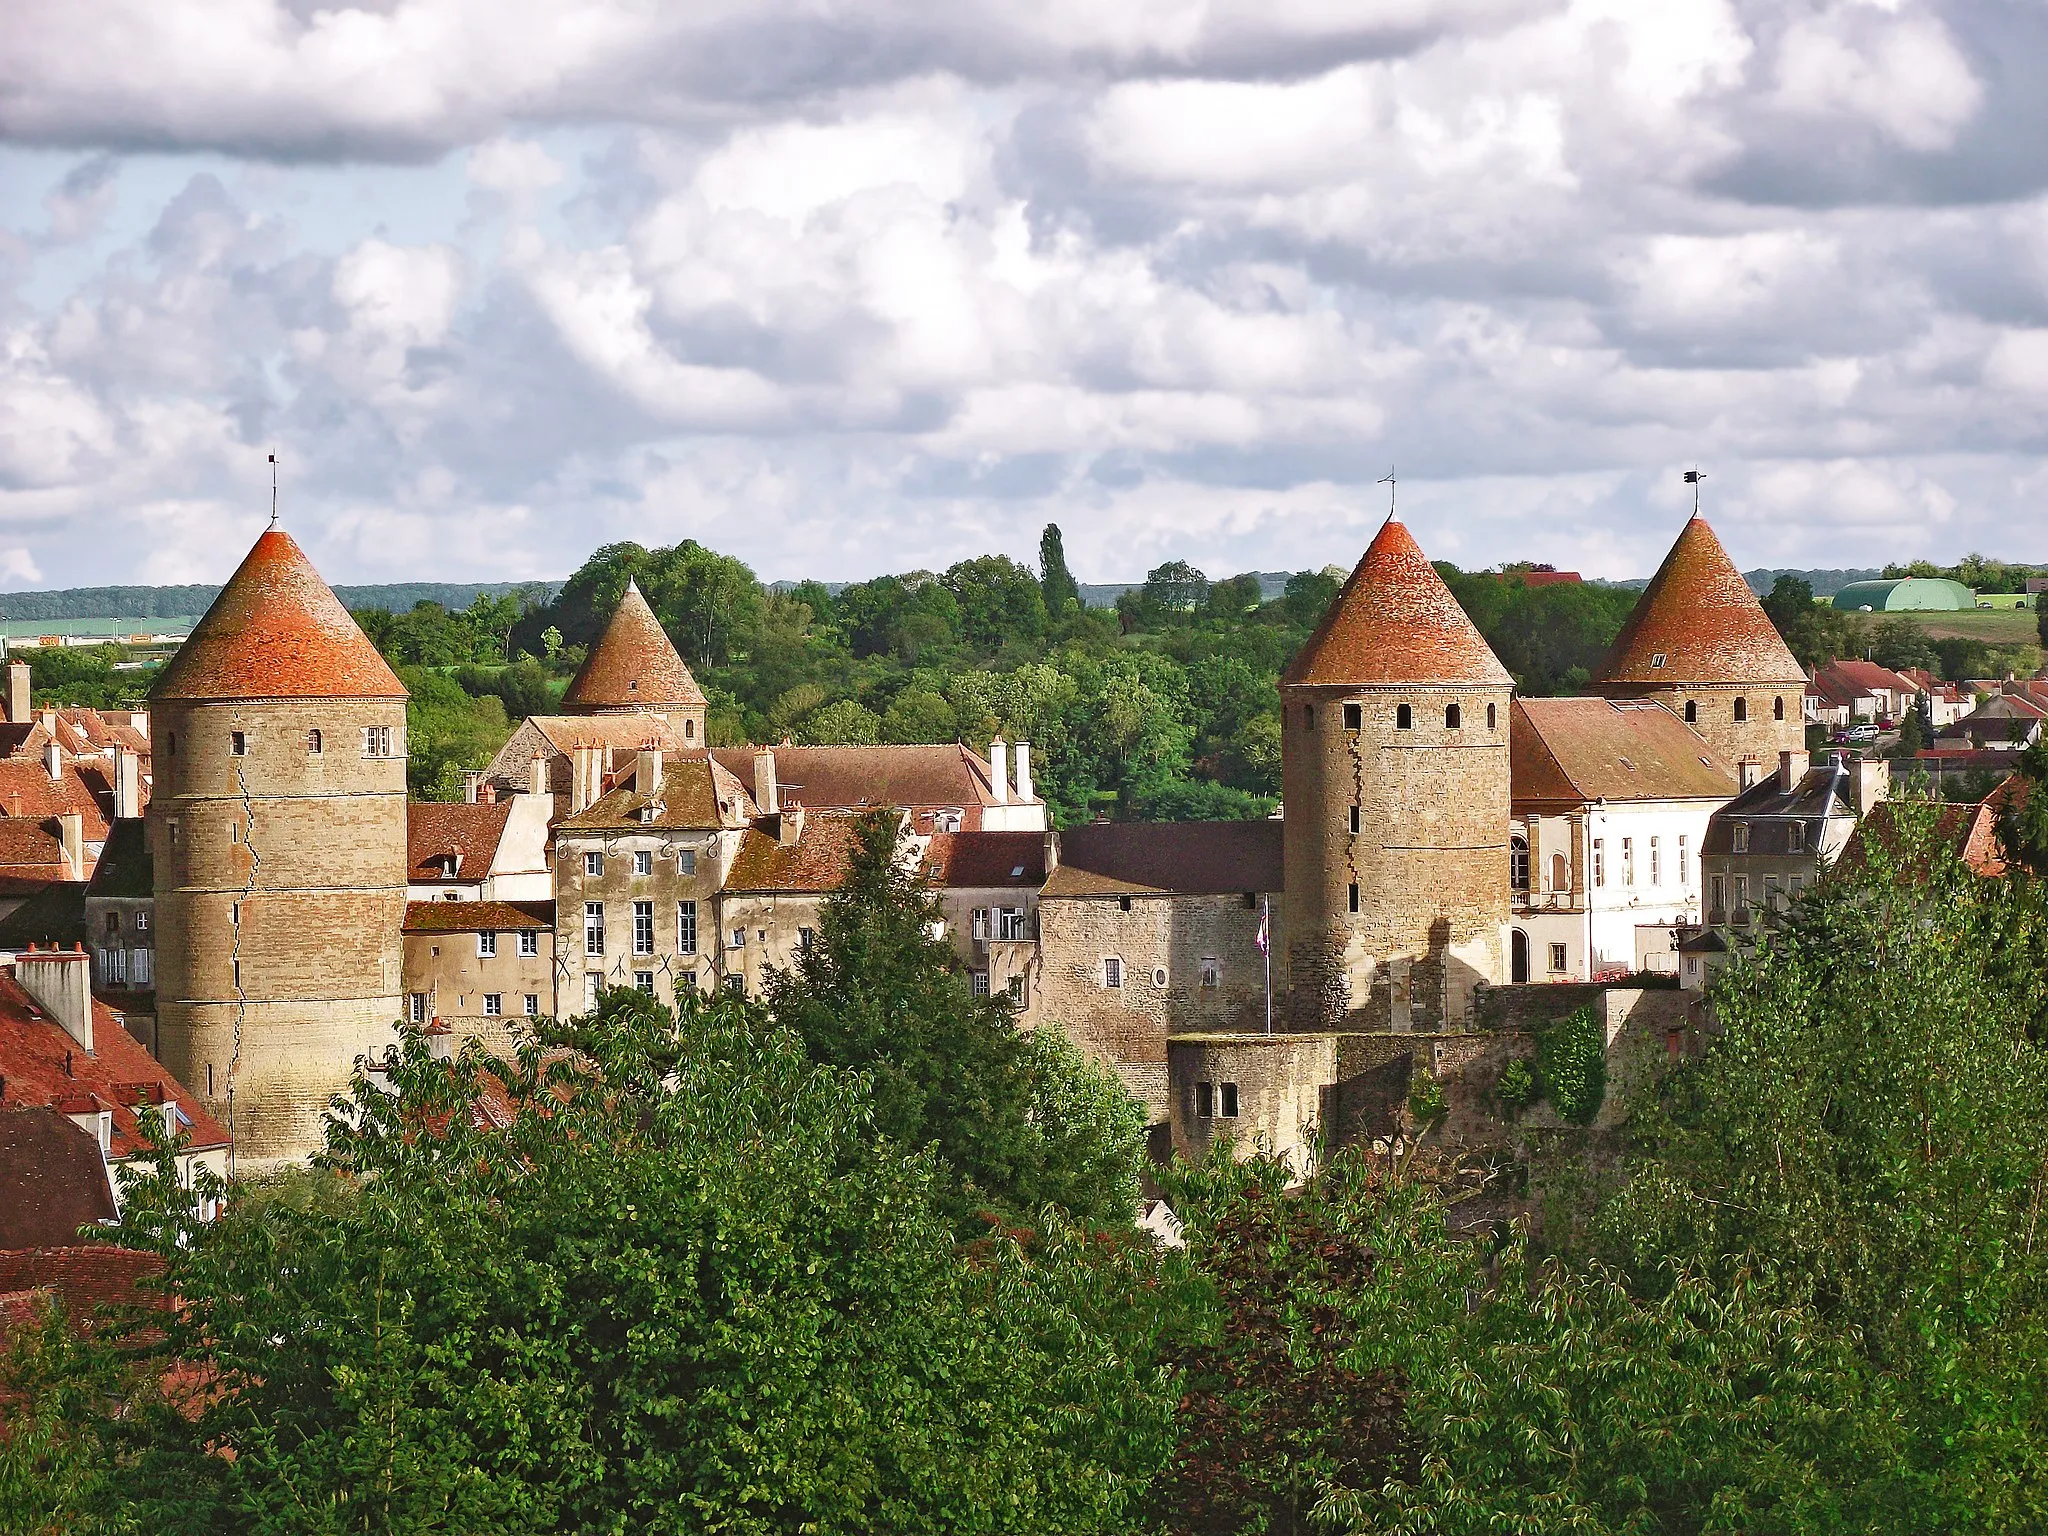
1516	1088
1426	1100
1571	1063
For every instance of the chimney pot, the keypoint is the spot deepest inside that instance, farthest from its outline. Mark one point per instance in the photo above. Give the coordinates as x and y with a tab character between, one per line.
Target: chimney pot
647	771
1791	769
53	761
61	982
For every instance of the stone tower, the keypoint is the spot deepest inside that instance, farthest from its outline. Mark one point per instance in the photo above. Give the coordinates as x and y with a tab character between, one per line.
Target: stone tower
277	825
1394	743
634	669
1700	643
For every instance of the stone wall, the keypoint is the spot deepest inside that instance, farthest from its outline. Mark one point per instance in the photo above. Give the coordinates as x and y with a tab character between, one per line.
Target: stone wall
616	887
1757	740
280	890
1128	1026
454	979
1280	1084
1429	858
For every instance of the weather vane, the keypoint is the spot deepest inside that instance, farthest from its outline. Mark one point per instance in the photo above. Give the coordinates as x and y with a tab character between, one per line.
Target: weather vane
273	490
1388	481
1693	477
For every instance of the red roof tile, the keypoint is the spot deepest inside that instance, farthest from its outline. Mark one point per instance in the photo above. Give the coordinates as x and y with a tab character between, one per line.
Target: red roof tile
82	1275
434	830
52	1179
1575	751
697	792
985	860
30	848
1700	617
634	665
1195	858
947	777
27	790
277	631
477	916
35	1051
1396	622
818	861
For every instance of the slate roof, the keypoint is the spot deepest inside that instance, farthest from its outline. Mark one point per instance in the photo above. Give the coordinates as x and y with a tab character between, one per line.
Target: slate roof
1820	796
633	665
1575	751
55	915
436	829
986	860
866	778
477	916
1175	857
52	1180
117	1075
1700	616
696	792
816	863
1395	622
125	867
277	631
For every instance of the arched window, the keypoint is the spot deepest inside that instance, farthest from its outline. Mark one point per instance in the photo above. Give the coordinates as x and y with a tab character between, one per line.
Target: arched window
1778	708
313	743
1741	710
1560	873
690	728
1452	717
1308	717
1518	864
1518	957
1404	718
1492	716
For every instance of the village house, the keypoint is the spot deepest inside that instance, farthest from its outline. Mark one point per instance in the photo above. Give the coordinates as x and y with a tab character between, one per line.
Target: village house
479	967
486	849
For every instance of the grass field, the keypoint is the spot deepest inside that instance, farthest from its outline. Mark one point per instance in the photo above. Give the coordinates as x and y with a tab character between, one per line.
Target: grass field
1994	626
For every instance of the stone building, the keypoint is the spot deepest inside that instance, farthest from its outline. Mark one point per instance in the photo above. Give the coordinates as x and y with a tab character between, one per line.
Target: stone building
1770	843
479	967
987	884
1394	742
491	849
1145	931
1700	643
277	841
787	865
635	669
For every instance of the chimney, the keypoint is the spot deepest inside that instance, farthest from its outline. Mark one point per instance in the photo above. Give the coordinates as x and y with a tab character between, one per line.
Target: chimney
767	794
539	781
586	775
647	771
1870	780
1791	769
72	830
127	783
17	691
789	825
487	793
53	761
1052	852
1024	791
470	779
999	770
61	981
1745	774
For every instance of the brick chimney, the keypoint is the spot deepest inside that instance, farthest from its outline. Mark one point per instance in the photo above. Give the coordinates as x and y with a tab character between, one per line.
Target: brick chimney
127	784
71	830
17	692
53	761
61	981
1791	769
999	771
647	771
789	825
767	793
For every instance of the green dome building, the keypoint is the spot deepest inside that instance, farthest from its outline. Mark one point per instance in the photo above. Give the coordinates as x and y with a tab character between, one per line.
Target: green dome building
1911	594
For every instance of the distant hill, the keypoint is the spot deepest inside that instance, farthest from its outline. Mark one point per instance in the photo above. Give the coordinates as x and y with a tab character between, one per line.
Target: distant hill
183	602
1824	583
1094	594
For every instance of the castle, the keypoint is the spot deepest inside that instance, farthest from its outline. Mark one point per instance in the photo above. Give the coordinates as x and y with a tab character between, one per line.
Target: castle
302	910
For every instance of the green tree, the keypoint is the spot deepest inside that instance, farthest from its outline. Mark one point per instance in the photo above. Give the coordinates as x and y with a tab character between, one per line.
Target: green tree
1175	588
847	723
2023	819
1000	603
1055	581
918	715
686	1288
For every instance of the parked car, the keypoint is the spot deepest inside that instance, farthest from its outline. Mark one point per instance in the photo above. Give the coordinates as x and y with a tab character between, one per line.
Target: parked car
1862	733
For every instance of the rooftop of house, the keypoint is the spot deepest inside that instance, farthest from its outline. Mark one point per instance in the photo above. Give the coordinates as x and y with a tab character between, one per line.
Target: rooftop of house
633	665
437	831
52	1179
54	916
696	793
27	790
620	732
1697	622
1970	831
32	847
125	868
1821	794
859	778
42	1065
1193	858
816	863
986	860
477	916
1576	751
98	731
1395	622
1864	677
277	631
82	1276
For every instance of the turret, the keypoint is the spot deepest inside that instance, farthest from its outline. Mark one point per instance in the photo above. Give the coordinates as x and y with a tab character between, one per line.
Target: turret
635	669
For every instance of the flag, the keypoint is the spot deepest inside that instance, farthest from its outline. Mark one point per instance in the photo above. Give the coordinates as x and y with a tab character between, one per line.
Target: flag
1264	913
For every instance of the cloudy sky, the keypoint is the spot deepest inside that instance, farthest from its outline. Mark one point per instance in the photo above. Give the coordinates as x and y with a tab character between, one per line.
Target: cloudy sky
846	288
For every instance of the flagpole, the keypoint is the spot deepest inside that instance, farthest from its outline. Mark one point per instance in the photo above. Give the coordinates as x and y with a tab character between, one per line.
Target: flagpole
1266	947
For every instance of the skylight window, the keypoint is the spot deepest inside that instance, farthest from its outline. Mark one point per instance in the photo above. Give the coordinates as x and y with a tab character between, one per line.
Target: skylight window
1657	660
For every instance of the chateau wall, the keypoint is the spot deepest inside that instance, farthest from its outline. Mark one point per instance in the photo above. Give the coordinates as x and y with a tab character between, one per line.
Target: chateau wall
280	891
1283	1085
1430	858
616	888
1127	1026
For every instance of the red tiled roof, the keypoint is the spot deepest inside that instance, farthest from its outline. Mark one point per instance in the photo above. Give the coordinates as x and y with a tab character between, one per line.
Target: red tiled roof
83	1276
277	631
31	849
1396	622
984	860
1196	858
1575	751
818	861
1700	616
1866	677
634	665
27	790
477	916
35	1050
857	778
436	829
52	1180
697	792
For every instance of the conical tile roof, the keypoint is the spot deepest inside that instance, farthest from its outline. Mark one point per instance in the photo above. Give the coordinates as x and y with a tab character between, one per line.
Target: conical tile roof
1699	619
633	665
277	631
1396	622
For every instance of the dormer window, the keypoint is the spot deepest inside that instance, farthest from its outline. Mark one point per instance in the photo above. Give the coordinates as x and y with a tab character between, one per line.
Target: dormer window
1741	837
1657	661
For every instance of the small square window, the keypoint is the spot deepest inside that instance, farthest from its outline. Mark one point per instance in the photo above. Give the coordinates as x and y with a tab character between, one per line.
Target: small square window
312	743
686	861
416	1007
593	864
1657	660
644	981
1353	896
739	939
643	863
487	945
1558	957
533	1005
979	983
1017	990
1355	814
494	1004
529	942
1212	974
1205	1101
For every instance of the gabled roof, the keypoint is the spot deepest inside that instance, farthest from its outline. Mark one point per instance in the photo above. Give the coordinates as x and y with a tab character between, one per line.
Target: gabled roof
1866	677
866	778
1700	617
30	847
1396	622
817	862
277	631
1190	858
435	830
1576	751
621	732
986	860
52	1180
125	867
696	793
117	1075
477	916
633	665
27	790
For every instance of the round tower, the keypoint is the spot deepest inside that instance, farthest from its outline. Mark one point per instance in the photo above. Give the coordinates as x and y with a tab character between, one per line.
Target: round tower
1700	644
635	669
1394	761
277	826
